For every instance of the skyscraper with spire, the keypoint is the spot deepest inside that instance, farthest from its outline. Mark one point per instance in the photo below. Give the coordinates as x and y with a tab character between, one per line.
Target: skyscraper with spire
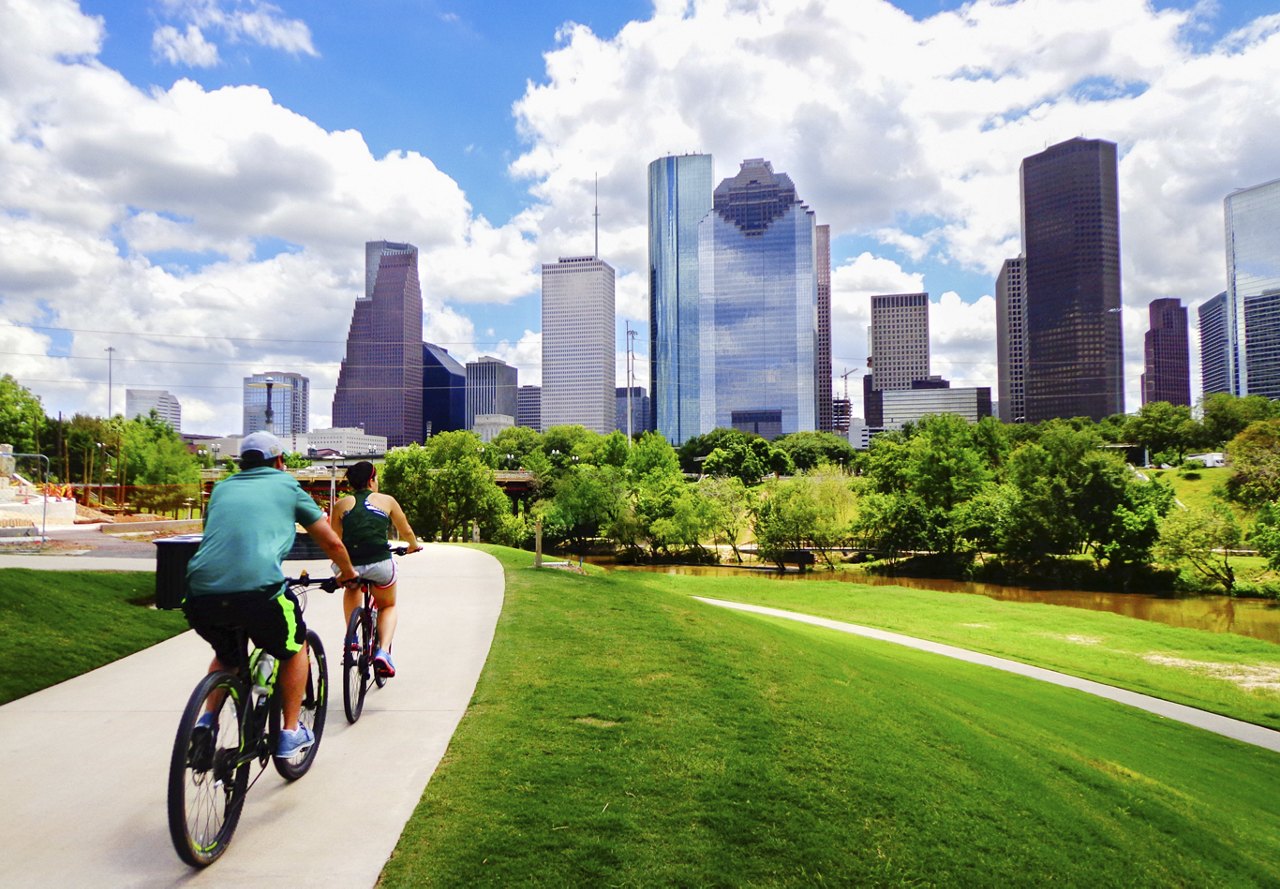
380	380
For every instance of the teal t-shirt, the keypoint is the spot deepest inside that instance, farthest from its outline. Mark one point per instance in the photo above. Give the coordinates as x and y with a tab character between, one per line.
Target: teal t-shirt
248	530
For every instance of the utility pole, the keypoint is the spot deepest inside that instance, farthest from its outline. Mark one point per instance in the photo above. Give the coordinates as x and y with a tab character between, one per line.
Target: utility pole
631	359
110	350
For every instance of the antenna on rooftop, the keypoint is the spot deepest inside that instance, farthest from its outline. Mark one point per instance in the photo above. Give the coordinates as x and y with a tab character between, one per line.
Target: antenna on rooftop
596	214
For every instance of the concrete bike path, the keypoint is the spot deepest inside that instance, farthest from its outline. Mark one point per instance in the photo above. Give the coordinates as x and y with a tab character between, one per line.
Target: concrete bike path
84	765
1222	725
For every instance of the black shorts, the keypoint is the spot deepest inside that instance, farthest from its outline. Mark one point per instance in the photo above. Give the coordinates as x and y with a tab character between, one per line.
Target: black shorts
272	620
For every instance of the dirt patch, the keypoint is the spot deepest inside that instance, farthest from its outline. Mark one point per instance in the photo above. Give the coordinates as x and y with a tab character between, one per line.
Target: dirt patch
1251	677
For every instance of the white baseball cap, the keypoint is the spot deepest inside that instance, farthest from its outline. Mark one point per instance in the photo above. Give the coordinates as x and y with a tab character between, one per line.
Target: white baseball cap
264	443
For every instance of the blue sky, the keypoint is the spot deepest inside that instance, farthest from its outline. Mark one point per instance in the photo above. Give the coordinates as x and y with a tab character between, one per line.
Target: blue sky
187	162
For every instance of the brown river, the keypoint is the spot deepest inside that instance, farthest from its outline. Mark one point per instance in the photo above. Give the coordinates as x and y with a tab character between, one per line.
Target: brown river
1259	618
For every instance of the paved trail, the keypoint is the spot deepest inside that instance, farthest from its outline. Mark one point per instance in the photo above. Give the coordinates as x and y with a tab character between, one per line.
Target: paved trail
83	765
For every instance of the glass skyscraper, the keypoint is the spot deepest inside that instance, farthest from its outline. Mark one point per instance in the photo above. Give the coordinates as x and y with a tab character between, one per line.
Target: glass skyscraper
758	306
491	389
444	391
1215	346
1252	217
380	379
679	197
1071	250
290	403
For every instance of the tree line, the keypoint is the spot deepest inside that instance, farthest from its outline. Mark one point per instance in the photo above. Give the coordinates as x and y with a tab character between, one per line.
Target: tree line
1060	500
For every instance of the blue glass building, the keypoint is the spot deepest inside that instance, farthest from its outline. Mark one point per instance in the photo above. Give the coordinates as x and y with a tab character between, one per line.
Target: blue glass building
1252	217
758	306
444	392
679	198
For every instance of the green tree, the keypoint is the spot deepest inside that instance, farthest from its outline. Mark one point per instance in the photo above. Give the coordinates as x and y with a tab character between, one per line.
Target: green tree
156	464
1224	416
731	508
444	486
650	454
809	450
512	446
587	499
1255	459
698	447
22	419
785	517
1164	429
1203	539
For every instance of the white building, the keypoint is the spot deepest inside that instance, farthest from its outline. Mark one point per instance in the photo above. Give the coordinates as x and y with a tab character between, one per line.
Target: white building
899	340
1011	340
344	440
910	405
578	344
141	402
487	426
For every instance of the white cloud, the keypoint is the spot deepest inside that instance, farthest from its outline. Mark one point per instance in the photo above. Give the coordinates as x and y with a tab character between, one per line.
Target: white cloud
184	47
913	131
246	21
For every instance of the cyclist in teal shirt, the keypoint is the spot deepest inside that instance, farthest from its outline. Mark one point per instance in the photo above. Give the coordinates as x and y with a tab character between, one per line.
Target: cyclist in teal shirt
234	579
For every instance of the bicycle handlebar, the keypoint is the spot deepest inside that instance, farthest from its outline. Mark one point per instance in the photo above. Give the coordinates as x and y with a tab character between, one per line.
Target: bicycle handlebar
330	584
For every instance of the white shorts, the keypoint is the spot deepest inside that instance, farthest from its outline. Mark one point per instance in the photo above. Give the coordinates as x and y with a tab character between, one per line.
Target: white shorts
380	574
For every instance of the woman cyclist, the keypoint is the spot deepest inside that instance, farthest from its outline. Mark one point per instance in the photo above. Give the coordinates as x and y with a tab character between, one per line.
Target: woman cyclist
362	521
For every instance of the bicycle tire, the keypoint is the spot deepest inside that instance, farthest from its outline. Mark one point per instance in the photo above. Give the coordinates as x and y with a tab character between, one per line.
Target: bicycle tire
355	664
315	705
206	786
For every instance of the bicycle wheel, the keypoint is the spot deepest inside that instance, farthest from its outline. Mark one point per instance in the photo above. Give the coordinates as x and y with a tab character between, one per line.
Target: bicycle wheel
356	664
208	778
315	704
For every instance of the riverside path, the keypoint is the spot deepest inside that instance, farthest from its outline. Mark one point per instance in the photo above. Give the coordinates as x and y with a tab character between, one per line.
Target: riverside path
84	764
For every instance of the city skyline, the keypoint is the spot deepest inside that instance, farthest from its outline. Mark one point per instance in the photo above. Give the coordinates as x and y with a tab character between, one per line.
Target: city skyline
193	177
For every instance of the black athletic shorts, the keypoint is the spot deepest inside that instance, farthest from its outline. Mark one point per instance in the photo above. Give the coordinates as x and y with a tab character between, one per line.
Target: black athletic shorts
273	620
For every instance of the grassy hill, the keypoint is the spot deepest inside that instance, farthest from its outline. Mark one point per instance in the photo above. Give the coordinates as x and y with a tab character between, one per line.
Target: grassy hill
625	734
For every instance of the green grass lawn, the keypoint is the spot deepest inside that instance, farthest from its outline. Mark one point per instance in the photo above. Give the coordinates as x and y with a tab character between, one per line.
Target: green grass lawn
58	624
625	734
1226	673
1198	491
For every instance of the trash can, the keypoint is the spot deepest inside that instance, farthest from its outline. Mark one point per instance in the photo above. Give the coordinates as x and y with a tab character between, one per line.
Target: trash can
172	556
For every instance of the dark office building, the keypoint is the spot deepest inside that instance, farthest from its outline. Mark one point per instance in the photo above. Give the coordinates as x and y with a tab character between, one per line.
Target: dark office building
380	380
640	410
444	391
1071	245
1262	343
822	384
529	407
1215	346
1167	368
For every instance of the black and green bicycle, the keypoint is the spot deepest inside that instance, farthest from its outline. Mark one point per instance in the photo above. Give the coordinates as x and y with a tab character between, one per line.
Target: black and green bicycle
231	721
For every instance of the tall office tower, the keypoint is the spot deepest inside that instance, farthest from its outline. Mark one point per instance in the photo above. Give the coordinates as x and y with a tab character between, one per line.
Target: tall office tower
444	392
1252	217
1071	250
640	408
758	306
1167	354
1011	340
679	197
579	352
899	340
491	388
290	403
529	407
141	402
822	384
1215	346
380	380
